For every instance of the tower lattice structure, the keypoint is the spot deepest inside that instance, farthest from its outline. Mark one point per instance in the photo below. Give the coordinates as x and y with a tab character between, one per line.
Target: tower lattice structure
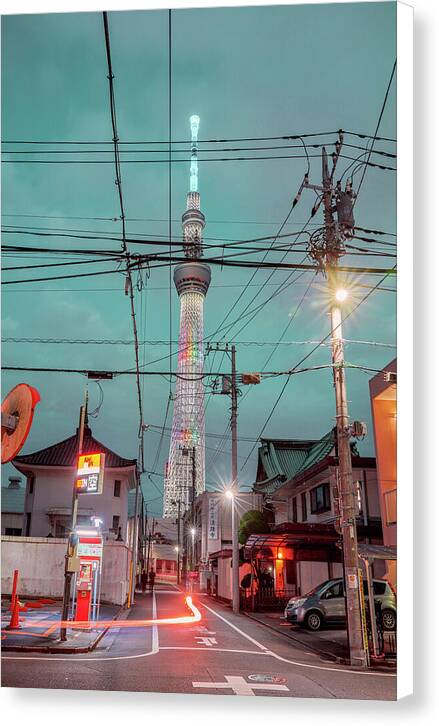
185	469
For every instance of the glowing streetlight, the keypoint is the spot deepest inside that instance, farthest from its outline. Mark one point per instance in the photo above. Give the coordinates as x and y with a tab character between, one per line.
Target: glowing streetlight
341	295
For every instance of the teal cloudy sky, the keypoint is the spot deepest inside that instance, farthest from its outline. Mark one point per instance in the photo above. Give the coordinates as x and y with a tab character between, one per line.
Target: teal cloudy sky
247	72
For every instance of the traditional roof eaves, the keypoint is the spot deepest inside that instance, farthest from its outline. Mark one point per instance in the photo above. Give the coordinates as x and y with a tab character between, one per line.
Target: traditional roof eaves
63	454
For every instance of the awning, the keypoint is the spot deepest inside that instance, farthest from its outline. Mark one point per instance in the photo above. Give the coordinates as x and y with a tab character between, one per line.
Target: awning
376	552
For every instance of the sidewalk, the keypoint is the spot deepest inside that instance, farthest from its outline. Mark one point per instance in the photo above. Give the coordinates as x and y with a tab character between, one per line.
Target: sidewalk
39	630
330	644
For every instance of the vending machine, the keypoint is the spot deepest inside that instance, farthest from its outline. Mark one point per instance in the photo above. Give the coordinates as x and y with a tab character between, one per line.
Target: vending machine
88	579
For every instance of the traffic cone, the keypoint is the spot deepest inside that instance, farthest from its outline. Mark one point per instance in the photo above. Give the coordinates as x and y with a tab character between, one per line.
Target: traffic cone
15	618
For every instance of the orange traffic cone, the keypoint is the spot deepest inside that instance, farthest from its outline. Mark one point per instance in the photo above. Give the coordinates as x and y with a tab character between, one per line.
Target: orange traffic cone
15	618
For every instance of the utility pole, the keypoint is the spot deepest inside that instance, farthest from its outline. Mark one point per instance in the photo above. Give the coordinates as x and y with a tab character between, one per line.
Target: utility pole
229	387
134	543
74	516
178	541
150	536
234	431
194	476
326	247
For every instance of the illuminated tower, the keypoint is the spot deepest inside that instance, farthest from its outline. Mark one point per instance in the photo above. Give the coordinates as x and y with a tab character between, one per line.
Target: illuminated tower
184	473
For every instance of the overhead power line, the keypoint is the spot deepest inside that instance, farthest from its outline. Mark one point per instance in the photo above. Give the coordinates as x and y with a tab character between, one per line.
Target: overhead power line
286	137
223	159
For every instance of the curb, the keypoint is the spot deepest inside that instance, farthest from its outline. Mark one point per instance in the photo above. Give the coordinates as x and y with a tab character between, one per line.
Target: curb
328	656
53	649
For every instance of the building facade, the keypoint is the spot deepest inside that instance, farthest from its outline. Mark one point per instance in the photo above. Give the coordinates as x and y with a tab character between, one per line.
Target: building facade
49	486
207	531
299	481
13	507
384	407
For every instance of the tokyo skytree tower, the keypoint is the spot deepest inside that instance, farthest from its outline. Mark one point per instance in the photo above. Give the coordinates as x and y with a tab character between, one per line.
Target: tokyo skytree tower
184	472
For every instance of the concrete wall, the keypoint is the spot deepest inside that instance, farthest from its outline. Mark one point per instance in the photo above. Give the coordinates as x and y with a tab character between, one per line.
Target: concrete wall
52	491
40	562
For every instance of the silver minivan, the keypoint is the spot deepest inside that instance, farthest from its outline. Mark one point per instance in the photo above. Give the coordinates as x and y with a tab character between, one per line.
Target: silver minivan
325	604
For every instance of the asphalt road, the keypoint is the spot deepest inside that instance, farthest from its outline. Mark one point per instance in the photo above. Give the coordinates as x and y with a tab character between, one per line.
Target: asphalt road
222	654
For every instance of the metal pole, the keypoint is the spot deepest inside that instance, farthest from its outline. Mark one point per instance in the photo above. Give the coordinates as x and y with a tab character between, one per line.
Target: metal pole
347	493
178	543
235	487
135	538
67	574
373	622
194	473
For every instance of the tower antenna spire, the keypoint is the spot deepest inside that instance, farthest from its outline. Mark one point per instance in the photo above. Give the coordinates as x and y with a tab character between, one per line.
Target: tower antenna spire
195	124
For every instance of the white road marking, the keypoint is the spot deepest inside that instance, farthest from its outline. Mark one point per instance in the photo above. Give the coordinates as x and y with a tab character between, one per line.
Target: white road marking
240	687
238	630
297	663
212	650
90	658
206	641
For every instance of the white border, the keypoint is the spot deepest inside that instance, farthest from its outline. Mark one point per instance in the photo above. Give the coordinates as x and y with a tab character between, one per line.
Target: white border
45	706
405	346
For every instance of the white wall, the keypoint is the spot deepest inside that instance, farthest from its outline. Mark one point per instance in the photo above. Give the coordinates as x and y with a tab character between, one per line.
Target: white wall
311	574
53	490
40	562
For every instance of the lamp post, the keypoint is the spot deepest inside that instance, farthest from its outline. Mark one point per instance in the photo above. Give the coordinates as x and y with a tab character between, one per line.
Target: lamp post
230	494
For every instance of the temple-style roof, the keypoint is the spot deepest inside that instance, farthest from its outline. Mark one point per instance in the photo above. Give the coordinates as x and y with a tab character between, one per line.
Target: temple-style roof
64	453
280	460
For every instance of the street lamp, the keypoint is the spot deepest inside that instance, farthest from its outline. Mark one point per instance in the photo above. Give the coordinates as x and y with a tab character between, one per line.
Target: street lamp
230	494
341	294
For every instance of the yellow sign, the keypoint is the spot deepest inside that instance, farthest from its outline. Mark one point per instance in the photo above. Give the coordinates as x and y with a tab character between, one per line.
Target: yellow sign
90	474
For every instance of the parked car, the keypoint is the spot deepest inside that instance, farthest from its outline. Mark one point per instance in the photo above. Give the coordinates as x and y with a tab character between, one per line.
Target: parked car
325	605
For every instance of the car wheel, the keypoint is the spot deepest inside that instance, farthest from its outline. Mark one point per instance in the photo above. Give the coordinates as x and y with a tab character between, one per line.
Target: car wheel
314	621
388	620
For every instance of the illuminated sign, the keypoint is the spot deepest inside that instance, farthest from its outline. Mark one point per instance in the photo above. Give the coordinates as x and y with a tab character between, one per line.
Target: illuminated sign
212	525
90	474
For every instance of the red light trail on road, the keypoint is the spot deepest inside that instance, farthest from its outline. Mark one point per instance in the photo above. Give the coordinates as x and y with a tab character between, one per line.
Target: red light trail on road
85	625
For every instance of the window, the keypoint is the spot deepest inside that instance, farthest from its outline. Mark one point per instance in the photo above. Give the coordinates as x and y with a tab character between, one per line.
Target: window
31	480
28	521
334	591
116	488
13	531
295	509
116	520
320	499
304	510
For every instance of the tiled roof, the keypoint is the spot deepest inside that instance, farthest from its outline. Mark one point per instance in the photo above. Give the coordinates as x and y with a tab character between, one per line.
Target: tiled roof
13	500
282	459
64	454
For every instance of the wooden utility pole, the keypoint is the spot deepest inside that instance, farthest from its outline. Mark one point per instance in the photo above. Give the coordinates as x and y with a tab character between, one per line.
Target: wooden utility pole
67	572
326	248
235	523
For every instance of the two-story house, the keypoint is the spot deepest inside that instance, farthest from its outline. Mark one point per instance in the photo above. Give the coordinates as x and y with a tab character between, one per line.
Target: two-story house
49	486
299	480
